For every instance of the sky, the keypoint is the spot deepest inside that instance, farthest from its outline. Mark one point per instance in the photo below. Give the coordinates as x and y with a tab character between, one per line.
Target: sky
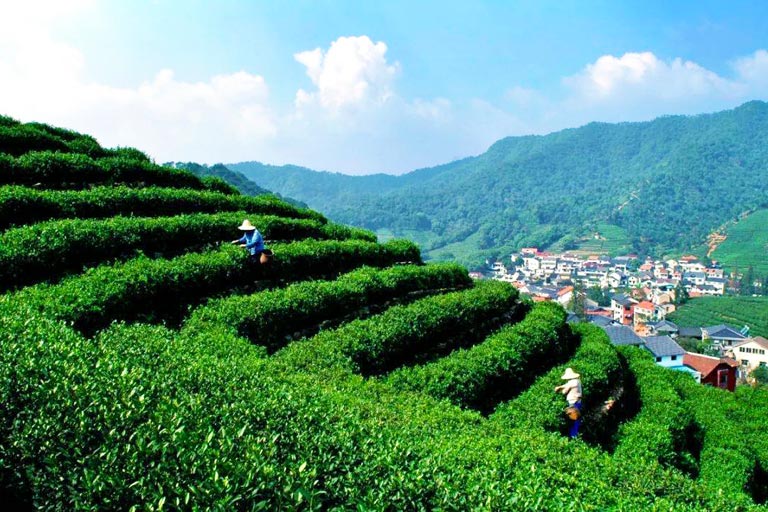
364	87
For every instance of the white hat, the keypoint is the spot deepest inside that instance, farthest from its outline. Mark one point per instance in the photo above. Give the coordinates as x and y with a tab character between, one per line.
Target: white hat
570	374
246	226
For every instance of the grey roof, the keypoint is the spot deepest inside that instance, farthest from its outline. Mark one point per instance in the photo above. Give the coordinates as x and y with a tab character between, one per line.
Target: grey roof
690	332
573	318
724	332
622	335
663	346
600	320
622	299
665	326
695	275
717	280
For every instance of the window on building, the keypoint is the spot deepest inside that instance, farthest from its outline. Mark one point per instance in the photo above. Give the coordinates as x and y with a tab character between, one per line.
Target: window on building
744	362
762	363
674	358
658	359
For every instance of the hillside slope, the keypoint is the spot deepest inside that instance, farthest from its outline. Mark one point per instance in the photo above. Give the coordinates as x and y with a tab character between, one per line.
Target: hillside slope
667	182
147	363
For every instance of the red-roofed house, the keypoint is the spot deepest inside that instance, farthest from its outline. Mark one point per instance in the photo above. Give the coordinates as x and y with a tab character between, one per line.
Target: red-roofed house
719	372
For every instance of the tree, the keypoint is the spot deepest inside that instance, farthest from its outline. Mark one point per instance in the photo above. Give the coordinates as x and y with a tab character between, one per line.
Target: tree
760	374
681	294
747	285
576	304
597	294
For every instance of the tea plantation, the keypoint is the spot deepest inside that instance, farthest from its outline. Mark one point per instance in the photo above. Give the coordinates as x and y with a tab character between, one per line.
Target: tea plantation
147	364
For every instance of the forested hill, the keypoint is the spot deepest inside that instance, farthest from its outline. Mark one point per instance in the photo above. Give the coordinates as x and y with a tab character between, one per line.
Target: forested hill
667	183
234	178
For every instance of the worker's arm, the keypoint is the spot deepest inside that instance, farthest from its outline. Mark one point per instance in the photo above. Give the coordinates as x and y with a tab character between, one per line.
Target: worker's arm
257	241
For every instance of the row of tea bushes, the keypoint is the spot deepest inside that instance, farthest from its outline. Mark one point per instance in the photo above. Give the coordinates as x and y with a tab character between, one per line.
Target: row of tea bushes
142	418
539	407
55	170
664	430
401	333
144	288
268	318
17	139
48	250
23	205
727	460
502	366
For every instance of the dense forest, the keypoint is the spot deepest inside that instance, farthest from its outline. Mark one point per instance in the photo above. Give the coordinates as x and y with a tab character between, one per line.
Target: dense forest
668	183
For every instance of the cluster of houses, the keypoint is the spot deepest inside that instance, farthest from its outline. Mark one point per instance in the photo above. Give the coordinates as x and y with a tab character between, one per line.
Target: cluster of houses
737	353
545	273
638	317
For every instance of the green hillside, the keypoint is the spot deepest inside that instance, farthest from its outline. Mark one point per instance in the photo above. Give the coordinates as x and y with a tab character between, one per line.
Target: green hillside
666	183
735	311
236	179
146	363
746	244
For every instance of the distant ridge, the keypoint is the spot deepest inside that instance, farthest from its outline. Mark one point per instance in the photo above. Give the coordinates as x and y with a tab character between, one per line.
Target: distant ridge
666	182
236	179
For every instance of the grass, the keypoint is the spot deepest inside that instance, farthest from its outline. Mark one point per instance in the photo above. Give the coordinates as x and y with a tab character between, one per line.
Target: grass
747	244
735	311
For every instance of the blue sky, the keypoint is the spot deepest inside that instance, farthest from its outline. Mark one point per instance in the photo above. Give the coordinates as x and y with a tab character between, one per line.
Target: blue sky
362	87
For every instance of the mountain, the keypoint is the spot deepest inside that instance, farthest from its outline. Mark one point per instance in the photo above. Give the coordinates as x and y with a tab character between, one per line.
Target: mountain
665	184
236	179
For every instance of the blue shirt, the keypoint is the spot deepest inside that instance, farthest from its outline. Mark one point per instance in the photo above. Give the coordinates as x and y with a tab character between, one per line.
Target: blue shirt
253	242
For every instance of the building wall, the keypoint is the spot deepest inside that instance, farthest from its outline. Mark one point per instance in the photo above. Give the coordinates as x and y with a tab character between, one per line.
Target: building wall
713	378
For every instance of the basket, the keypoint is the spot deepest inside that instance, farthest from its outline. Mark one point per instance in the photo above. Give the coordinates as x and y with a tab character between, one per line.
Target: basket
266	256
572	412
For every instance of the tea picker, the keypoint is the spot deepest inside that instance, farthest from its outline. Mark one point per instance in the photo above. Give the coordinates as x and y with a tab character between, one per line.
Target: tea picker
572	391
253	242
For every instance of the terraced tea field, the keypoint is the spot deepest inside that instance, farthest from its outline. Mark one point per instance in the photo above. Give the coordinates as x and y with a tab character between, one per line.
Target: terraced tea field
147	364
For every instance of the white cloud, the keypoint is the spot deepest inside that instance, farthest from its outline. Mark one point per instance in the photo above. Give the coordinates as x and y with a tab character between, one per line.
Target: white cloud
753	70
644	75
353	71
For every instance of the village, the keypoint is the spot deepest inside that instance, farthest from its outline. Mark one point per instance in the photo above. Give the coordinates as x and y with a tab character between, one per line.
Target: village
636	298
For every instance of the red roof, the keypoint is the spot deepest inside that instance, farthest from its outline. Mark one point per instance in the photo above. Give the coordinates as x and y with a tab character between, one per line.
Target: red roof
565	290
705	364
645	305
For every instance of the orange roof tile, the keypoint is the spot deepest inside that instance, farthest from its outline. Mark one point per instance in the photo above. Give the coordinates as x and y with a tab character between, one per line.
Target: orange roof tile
705	364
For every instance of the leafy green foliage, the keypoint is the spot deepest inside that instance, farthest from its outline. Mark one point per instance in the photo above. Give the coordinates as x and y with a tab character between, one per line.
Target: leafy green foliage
746	244
42	251
539	407
499	368
664	430
386	341
142	288
22	205
267	318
